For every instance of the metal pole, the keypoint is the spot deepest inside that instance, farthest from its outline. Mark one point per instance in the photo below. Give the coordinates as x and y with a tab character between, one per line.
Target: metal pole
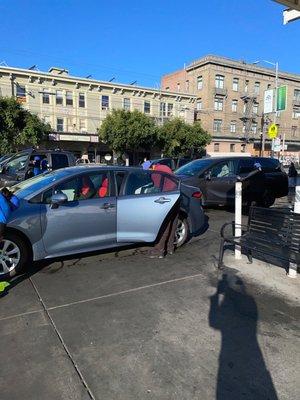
293	266
238	216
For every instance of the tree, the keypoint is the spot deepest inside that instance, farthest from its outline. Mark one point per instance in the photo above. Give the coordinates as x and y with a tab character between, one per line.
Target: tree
18	127
177	138
127	131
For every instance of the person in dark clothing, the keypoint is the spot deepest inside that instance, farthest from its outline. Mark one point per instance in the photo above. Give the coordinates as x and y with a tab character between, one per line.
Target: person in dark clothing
37	165
292	171
165	244
44	165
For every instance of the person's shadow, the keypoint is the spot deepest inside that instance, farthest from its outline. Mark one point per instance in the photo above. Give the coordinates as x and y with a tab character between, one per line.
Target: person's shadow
242	371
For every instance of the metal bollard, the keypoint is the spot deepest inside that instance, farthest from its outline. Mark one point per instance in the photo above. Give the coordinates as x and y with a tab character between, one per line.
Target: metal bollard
292	266
238	217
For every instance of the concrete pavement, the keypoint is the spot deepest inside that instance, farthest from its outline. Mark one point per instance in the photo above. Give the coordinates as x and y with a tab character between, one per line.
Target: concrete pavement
122	326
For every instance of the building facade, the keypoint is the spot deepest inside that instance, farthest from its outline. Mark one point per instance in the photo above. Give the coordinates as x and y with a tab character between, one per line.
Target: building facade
75	107
230	101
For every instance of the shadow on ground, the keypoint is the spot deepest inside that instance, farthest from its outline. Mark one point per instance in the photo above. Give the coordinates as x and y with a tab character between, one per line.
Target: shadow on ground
242	370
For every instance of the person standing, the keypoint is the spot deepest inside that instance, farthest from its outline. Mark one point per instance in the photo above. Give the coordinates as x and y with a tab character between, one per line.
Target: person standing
37	165
8	203
165	244
292	175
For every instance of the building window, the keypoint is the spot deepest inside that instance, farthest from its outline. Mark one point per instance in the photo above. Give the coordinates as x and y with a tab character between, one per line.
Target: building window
21	91
187	85
216	147
81	101
199	105
199	82
243	148
104	102
178	87
296	113
256	87
218	104
162	109
59	97
170	110
233	127
47	119
60	124
126	104
69	98
254	128
244	108
46	97
244	127
217	125
235	84
297	94
294	131
234	105
82	125
147	107
269	86
232	147
255	108
246	86
219	81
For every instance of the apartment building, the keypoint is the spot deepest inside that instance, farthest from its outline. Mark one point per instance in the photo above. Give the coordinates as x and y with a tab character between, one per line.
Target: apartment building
75	107
229	104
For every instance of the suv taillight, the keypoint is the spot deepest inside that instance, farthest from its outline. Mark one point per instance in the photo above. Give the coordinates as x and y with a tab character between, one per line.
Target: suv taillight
197	195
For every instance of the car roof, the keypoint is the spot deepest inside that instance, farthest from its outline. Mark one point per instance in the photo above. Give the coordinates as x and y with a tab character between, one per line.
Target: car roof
97	167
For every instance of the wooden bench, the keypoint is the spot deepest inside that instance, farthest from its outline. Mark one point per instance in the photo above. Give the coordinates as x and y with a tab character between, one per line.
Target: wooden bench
270	231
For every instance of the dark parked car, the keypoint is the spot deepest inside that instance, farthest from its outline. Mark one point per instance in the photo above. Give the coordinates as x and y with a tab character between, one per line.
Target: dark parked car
87	208
172	163
216	179
19	167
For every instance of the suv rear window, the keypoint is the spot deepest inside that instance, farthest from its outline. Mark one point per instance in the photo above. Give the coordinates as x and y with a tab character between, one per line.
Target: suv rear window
59	161
269	164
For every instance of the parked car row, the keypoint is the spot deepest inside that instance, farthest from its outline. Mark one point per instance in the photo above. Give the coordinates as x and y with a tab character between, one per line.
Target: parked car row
88	208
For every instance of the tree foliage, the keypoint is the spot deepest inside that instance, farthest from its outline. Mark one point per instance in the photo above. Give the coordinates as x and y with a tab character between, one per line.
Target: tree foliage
128	131
177	138
18	127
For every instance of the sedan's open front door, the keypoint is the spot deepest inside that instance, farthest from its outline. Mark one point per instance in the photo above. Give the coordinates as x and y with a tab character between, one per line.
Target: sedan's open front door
147	199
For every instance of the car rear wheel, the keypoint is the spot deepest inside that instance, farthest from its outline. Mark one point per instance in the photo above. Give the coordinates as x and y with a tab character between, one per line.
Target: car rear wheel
13	255
182	232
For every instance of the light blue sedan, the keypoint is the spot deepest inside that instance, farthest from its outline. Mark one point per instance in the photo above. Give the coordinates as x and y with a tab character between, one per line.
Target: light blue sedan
88	208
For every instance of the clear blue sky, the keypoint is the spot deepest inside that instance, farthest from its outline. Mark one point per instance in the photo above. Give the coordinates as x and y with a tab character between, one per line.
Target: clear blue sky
141	40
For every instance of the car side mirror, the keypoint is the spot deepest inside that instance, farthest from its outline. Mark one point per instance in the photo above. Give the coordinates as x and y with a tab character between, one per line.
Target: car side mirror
207	175
58	199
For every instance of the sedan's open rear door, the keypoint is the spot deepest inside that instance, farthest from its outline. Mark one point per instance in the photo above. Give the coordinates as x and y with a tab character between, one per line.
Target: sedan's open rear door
147	199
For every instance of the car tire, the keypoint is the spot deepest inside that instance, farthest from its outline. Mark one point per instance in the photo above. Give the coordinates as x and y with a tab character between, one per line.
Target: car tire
15	247
182	232
267	200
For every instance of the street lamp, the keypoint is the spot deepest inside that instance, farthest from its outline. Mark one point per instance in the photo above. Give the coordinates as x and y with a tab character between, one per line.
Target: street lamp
275	64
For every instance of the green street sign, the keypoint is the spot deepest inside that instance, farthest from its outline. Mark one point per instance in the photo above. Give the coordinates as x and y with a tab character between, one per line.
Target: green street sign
281	98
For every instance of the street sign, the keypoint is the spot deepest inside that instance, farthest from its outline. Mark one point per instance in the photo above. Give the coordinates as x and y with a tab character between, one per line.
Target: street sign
276	145
268	101
273	131
281	98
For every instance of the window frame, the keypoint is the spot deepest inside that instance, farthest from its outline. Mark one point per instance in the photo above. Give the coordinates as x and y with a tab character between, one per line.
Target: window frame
57	124
235	84
59	99
147	110
219	81
69	100
217	125
105	102
81	100
199	82
126	102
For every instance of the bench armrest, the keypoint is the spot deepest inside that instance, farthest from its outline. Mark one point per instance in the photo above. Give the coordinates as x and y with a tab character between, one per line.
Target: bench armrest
233	225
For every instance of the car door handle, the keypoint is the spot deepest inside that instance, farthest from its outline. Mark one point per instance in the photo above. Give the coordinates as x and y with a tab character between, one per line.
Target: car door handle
162	200
106	206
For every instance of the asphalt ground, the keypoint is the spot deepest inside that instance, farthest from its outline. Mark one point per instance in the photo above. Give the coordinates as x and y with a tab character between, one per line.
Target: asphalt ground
119	325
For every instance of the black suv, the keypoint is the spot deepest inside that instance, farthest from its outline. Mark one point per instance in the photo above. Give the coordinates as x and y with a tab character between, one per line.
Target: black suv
216	179
19	167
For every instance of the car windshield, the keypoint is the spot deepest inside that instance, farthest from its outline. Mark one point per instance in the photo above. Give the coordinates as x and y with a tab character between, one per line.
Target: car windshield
193	167
25	188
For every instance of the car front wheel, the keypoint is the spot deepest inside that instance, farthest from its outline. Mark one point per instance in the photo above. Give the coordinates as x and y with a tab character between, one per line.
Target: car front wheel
182	232
13	255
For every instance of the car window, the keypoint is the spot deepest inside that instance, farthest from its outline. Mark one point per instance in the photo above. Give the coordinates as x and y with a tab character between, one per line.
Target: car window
223	169
269	164
85	186
16	164
246	165
146	182
59	161
193	168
